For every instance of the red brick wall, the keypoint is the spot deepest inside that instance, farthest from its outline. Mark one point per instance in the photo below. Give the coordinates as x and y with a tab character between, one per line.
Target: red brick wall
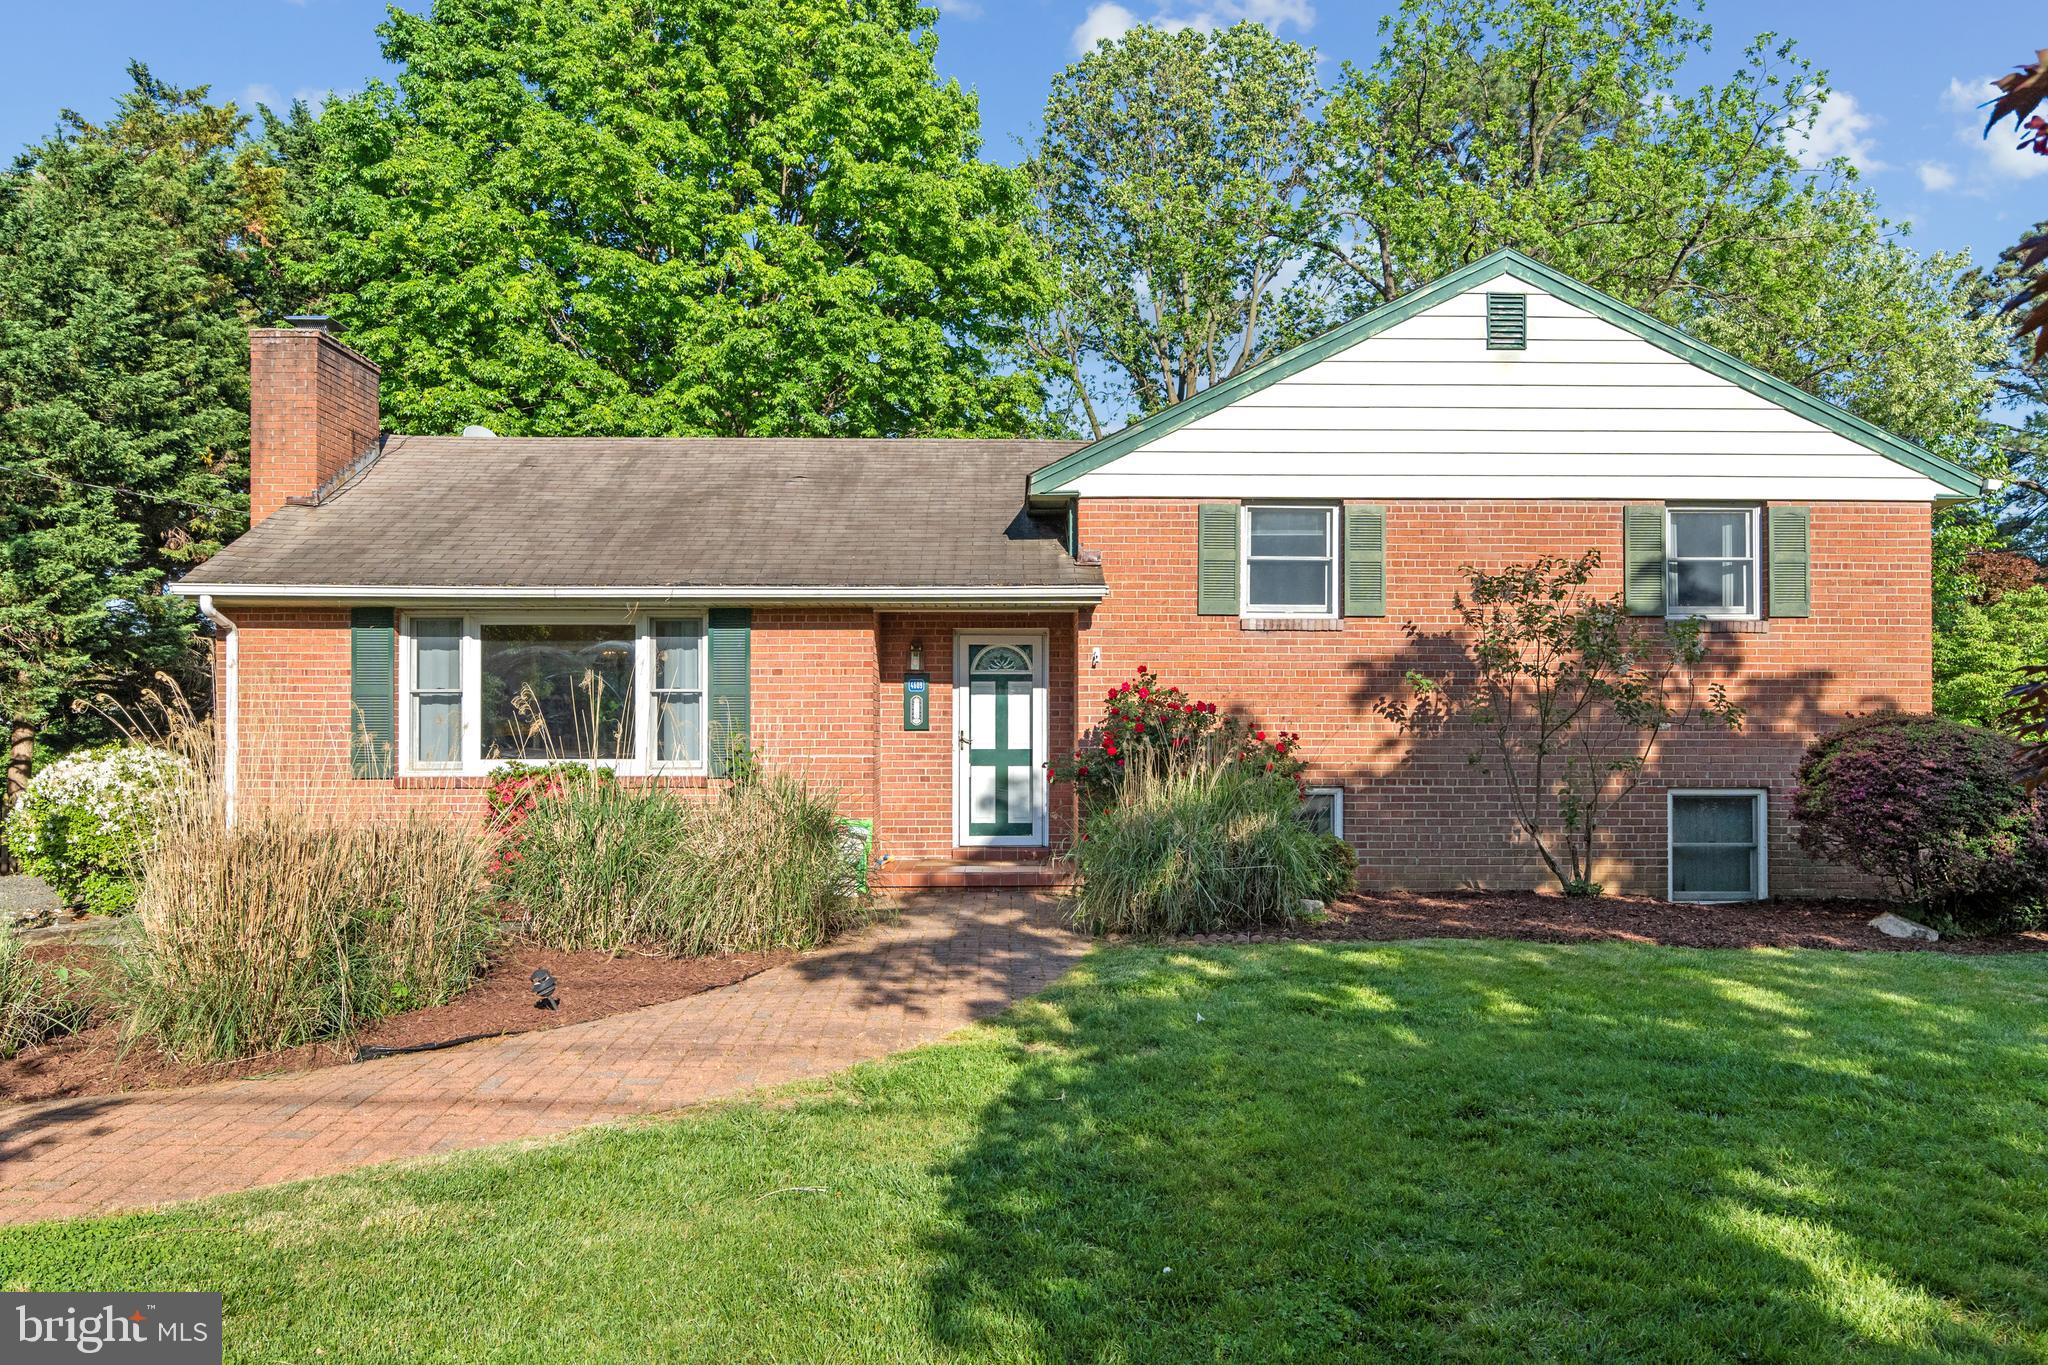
814	699
823	708
312	413
1415	810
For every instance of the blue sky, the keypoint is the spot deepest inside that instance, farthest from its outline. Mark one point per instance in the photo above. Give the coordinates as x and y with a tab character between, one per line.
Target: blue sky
1907	73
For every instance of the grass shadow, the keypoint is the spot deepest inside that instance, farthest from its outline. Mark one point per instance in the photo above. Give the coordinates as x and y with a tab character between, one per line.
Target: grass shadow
1508	1149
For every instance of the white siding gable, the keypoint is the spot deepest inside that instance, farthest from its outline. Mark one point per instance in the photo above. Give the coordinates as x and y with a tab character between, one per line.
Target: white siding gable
1425	410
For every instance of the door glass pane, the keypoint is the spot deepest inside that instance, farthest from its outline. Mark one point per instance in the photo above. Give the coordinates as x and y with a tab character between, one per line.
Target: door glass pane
437	654
679	721
981	714
1712	873
1300	584
1713	820
437	729
558	691
1710	535
1023	791
1303	531
1017	702
678	658
981	794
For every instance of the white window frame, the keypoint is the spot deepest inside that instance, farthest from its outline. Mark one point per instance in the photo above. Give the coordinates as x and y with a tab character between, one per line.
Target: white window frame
1760	804
1671	561
407	720
1336	795
474	764
1331	580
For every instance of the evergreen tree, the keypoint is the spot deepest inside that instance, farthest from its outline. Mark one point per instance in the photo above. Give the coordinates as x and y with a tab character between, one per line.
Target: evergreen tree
127	272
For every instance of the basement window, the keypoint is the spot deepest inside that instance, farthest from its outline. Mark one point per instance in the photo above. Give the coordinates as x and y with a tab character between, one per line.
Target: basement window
1322	810
1717	845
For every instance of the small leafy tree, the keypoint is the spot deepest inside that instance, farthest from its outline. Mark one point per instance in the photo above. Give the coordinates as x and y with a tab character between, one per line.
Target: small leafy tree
2020	92
1570	695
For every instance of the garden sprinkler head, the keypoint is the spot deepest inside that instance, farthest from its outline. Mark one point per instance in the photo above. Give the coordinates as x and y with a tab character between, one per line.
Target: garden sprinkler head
544	990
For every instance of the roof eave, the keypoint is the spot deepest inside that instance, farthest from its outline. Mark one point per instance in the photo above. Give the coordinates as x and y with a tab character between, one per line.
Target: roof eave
991	595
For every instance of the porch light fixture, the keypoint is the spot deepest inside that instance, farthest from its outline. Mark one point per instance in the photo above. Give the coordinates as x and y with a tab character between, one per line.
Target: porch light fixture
917	656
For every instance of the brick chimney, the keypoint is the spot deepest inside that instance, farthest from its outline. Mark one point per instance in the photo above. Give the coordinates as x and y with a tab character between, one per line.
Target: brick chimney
312	411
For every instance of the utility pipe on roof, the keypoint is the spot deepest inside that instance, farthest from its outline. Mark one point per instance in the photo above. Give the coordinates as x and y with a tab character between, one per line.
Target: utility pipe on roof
229	707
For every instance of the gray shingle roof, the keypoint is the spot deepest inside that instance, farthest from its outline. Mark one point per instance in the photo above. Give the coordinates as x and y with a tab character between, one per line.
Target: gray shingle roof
551	513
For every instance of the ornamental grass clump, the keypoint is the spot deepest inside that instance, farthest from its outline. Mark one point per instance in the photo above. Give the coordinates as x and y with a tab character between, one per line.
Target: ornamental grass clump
1191	848
83	822
288	927
613	867
1935	807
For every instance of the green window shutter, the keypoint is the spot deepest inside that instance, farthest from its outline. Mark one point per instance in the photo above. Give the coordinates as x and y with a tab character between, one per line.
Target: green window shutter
372	678
1216	551
1365	561
1507	322
1642	543
728	641
1791	562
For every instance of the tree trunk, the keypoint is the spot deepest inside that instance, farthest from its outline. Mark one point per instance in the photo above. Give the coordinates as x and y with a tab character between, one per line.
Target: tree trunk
21	752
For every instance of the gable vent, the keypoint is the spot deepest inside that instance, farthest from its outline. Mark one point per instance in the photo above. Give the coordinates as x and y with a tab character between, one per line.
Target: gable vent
1507	322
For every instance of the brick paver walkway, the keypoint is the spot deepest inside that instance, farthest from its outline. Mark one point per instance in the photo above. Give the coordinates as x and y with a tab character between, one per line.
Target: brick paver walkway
951	957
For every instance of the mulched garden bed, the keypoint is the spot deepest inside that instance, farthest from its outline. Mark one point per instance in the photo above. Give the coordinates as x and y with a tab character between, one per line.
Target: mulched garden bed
589	986
1625	919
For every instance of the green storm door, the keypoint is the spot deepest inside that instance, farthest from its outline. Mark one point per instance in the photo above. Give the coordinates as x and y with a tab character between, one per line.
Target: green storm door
1003	778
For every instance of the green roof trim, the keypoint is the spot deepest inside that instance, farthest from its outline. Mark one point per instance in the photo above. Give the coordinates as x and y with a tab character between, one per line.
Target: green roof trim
1054	478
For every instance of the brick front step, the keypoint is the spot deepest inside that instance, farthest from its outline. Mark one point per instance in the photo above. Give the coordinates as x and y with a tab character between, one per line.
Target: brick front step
971	871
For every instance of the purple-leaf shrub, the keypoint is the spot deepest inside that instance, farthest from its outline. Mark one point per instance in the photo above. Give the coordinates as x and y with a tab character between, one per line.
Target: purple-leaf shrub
1937	808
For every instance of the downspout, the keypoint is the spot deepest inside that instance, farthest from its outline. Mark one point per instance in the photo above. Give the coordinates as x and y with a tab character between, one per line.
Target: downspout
230	705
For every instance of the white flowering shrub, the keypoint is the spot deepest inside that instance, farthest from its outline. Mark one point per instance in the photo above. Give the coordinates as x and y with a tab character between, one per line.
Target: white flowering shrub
84	819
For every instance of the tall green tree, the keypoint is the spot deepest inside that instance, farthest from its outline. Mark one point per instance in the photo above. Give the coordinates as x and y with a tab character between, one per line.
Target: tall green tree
1558	128
1173	183
2018	438
654	217
126	275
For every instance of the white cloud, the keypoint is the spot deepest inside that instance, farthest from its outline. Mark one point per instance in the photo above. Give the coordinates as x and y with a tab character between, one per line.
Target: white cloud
1936	176
1841	129
1997	157
1111	20
961	9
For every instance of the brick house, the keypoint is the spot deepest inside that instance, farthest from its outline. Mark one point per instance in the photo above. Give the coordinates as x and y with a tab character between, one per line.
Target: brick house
922	624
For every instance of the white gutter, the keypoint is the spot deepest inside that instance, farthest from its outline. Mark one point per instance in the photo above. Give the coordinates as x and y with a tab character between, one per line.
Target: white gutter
1051	595
229	707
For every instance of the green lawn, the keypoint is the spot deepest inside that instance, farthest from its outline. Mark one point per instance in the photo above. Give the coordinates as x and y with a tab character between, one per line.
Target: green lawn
1463	1150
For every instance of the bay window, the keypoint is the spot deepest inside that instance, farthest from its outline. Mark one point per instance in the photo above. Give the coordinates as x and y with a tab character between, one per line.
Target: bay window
500	687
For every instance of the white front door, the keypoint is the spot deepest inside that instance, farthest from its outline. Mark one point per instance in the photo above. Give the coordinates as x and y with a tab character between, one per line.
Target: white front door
999	779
